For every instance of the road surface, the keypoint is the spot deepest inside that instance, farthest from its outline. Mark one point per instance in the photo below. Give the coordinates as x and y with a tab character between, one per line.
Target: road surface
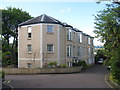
92	77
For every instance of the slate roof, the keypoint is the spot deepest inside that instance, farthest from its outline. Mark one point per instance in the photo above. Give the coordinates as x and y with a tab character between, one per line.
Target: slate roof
47	19
41	19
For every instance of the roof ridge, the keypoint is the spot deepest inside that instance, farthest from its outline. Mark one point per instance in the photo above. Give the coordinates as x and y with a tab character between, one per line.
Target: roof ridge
42	17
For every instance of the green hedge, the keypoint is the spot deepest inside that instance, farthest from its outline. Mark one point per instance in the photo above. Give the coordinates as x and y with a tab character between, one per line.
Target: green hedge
2	74
81	63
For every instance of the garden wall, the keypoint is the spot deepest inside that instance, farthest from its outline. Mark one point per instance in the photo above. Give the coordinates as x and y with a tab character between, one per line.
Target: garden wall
23	71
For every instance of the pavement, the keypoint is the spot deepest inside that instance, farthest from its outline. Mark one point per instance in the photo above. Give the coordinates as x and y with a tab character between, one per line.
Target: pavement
92	77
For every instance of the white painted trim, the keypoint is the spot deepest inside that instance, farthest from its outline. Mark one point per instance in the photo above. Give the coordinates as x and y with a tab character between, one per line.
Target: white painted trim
41	43
58	44
29	59
18	47
54	59
31	25
39	24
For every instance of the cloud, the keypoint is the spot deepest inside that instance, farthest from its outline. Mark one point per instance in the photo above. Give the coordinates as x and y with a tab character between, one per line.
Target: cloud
65	10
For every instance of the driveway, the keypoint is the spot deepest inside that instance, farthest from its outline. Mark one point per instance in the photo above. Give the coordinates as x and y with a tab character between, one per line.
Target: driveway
92	77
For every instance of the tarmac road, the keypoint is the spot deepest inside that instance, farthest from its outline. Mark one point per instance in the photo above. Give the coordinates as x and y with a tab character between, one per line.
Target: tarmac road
92	77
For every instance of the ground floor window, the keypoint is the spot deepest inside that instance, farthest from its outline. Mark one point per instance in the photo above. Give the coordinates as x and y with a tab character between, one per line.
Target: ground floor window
69	50
29	65
50	47
29	49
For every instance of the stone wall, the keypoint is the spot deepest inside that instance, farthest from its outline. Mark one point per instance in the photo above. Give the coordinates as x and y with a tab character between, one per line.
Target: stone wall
23	71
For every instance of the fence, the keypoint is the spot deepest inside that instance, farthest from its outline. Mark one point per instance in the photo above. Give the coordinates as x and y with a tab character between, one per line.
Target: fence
22	71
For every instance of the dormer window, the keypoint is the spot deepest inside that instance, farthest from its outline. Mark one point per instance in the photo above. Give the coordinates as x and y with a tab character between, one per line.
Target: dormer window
29	32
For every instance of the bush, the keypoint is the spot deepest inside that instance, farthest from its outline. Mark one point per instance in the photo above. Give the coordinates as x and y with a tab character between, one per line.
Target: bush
116	71
83	64
2	74
52	64
63	66
6	59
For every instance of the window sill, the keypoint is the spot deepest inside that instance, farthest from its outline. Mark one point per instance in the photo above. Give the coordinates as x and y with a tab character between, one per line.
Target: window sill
29	38
50	52
29	52
49	32
69	40
69	56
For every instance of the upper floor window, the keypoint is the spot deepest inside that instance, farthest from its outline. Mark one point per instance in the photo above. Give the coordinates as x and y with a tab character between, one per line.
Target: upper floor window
89	51
50	47
29	49
69	50
79	51
80	37
88	40
29	31
50	28
69	34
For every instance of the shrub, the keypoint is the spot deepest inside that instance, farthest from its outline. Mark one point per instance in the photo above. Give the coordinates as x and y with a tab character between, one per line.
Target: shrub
52	64
80	63
116	71
63	66
83	64
2	74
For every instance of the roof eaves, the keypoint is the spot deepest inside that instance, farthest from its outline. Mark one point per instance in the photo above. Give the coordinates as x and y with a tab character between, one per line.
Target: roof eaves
26	21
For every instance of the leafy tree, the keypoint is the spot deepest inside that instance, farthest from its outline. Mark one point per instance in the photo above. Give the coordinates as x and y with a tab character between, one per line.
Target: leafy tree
100	54
108	28
11	17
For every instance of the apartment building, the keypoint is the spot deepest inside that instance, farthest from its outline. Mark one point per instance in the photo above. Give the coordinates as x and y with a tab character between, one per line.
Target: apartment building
44	39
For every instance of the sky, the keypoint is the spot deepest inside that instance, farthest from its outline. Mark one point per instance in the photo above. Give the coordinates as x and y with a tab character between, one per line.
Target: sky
78	14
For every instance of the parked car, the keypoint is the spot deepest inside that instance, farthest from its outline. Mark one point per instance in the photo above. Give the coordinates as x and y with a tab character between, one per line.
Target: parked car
109	67
100	61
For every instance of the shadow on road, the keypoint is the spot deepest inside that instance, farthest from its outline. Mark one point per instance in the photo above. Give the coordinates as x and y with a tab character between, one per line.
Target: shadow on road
6	87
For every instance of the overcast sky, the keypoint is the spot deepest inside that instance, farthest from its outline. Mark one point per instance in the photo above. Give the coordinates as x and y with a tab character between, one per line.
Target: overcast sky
77	14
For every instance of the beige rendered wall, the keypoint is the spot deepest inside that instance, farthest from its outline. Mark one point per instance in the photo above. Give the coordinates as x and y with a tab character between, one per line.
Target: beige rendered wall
40	39
50	38
23	56
58	39
62	44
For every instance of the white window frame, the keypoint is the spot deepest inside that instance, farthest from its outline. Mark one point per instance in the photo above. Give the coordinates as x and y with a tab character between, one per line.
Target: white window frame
79	51
80	37
52	48
69	34
28	48
69	50
89	51
29	65
88	40
48	31
29	31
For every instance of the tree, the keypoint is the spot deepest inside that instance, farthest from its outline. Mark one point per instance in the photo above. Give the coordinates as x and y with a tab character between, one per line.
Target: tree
108	28
11	17
100	54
